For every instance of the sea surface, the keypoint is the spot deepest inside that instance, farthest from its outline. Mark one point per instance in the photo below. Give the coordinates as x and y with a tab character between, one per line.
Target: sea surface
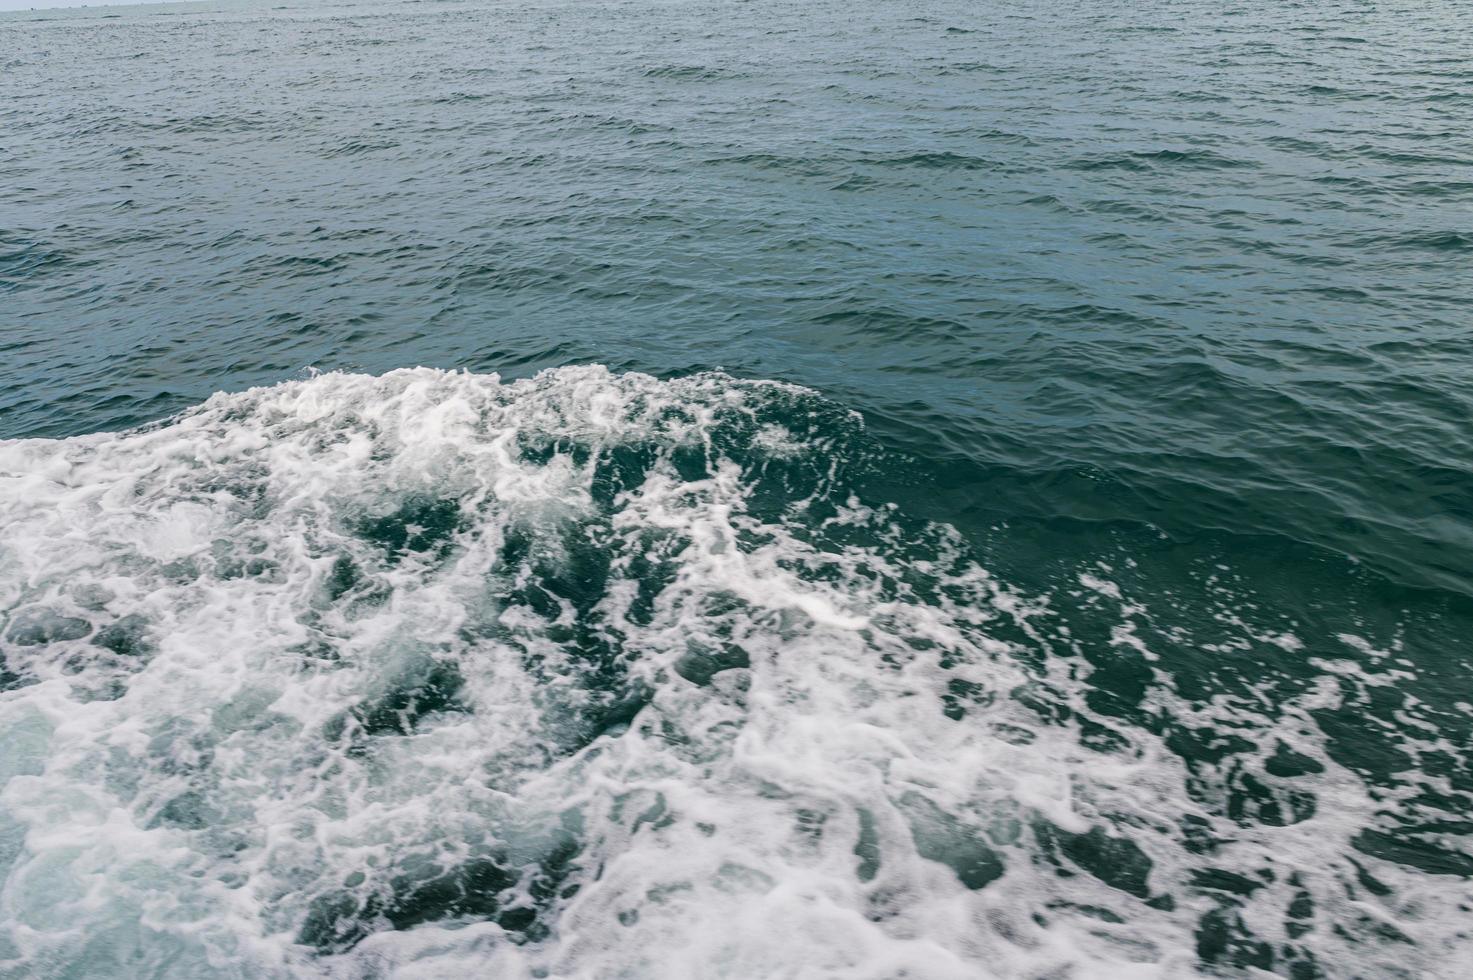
915	489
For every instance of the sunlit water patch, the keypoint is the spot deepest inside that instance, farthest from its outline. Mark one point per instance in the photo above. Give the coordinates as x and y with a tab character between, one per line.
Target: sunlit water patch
591	674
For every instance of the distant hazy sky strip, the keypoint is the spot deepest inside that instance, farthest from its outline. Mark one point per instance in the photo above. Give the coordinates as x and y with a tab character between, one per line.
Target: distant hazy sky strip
9	5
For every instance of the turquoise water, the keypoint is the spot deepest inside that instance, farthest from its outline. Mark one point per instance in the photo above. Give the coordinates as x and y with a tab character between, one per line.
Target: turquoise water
916	489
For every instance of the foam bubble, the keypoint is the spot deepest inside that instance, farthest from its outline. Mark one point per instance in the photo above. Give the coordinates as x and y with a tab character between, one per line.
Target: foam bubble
598	675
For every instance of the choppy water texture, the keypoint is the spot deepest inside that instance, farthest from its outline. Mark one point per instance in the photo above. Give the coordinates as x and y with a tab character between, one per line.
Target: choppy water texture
880	490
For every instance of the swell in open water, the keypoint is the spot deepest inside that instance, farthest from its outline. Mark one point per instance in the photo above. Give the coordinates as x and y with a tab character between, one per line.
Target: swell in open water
922	489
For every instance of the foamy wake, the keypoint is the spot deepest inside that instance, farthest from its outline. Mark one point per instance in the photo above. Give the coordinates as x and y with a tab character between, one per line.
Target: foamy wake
426	675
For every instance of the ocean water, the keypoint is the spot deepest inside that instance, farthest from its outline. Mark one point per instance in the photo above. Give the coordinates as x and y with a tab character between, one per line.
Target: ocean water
916	489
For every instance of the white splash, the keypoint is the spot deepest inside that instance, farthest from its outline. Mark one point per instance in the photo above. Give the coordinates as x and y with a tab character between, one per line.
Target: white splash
587	675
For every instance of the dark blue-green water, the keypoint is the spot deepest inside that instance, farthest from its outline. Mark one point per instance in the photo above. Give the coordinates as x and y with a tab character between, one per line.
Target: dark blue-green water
915	489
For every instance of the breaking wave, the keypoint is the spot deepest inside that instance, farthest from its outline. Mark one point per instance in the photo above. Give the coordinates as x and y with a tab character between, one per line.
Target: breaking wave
597	675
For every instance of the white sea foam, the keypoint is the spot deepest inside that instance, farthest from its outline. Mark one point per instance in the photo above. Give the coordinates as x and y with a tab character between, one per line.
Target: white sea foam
587	675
